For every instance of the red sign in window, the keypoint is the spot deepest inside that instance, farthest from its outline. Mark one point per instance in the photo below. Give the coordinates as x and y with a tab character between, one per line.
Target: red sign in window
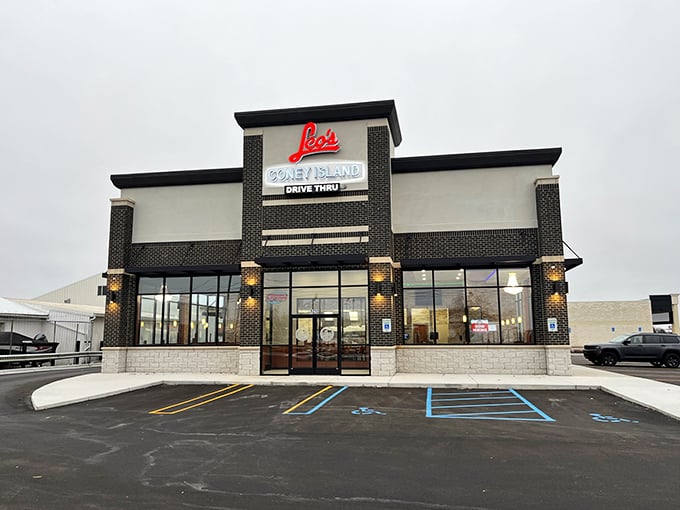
479	326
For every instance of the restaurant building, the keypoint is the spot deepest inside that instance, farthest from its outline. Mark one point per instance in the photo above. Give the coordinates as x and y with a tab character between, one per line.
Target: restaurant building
326	254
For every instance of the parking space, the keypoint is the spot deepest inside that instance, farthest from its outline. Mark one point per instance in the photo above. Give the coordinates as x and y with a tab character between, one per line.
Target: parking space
326	447
506	405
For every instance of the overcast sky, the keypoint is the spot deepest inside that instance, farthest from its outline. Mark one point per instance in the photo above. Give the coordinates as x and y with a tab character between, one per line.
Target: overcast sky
92	88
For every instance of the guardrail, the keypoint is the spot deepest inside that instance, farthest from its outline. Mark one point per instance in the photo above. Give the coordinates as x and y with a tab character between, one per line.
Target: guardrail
51	357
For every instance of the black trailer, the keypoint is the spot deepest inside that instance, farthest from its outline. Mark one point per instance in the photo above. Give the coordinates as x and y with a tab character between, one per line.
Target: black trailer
17	343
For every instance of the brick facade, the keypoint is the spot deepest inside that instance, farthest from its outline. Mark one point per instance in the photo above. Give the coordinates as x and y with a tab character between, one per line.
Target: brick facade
467	244
194	253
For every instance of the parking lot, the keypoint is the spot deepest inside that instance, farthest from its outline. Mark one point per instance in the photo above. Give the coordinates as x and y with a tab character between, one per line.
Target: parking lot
243	446
635	369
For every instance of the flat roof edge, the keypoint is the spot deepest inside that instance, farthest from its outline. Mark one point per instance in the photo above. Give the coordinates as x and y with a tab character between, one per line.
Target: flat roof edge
474	160
385	109
177	178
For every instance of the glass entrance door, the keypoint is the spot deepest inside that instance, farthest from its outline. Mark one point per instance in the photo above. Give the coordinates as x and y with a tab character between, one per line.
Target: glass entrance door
314	344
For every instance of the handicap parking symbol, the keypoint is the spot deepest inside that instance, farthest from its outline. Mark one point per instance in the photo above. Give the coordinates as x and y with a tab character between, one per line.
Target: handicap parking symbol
367	410
610	419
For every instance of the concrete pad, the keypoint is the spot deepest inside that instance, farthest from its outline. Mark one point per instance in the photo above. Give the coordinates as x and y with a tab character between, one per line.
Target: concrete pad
89	387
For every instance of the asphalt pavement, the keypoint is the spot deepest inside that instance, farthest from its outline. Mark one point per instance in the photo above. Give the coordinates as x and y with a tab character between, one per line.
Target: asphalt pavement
659	396
335	446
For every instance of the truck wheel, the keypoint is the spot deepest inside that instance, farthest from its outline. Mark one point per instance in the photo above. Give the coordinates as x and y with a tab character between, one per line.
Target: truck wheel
672	360
609	359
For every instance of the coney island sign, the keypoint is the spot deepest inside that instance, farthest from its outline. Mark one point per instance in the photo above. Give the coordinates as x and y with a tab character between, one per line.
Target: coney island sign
314	176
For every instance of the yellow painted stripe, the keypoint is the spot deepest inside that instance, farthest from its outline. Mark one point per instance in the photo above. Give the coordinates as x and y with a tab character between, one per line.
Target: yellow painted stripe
158	411
207	401
307	399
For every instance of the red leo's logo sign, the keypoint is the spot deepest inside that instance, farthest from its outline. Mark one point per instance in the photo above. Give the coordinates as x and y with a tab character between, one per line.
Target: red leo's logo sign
312	144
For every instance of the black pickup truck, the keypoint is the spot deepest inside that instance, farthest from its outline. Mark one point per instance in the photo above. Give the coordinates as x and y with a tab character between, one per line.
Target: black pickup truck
16	343
657	348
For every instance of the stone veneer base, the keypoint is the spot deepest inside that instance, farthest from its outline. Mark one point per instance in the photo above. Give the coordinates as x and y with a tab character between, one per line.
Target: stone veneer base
484	359
208	359
385	361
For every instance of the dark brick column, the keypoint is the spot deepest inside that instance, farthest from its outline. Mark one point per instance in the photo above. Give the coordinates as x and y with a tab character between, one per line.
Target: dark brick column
398	315
381	306
252	198
119	321
120	318
380	239
251	307
549	267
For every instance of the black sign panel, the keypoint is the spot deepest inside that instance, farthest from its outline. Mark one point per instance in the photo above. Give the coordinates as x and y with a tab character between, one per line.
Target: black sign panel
662	309
329	188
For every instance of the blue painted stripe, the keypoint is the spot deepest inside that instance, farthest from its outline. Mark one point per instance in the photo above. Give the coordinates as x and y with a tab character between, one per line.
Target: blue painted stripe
496	413
532	406
490	418
474	398
480	405
473	393
324	402
482	401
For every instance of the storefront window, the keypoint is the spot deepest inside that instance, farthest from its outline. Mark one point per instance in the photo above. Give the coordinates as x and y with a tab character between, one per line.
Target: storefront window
188	310
418	314
516	318
473	306
449	313
482	305
331	304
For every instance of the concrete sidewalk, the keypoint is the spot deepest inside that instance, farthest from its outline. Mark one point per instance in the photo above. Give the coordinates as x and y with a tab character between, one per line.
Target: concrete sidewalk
661	397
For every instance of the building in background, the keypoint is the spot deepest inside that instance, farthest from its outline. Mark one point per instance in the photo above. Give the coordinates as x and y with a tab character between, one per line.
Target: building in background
90	291
73	315
599	321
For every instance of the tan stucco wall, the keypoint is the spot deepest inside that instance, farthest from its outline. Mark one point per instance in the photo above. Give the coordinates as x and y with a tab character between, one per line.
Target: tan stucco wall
186	213
479	199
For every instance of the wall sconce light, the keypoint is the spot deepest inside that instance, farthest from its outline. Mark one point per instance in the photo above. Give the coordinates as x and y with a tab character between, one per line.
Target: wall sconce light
113	298
385	288
251	291
560	287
